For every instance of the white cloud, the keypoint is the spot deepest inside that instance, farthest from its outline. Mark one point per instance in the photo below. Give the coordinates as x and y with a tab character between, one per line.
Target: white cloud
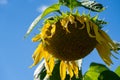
3	2
42	8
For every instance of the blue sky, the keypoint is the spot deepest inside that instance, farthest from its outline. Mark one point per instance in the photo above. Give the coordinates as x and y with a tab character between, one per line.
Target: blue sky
15	52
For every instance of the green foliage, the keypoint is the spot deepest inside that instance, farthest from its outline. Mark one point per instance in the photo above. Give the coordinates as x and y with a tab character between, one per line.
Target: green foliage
50	9
70	3
117	71
94	71
100	72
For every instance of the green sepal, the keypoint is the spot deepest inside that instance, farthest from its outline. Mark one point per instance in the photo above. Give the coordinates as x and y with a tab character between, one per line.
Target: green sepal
98	22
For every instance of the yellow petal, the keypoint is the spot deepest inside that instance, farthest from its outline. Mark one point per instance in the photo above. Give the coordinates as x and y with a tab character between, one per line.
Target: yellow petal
44	30
38	58
38	50
70	70
88	29
53	30
98	36
51	64
46	55
36	38
63	67
108	39
75	68
47	67
47	64
81	21
38	55
88	26
105	53
64	23
71	19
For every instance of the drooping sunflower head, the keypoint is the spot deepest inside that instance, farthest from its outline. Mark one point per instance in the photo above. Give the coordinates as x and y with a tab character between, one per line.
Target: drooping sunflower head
68	38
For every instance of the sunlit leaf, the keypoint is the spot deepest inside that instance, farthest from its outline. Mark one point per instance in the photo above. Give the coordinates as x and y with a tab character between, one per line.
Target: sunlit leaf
96	67
53	8
117	71
91	75
94	71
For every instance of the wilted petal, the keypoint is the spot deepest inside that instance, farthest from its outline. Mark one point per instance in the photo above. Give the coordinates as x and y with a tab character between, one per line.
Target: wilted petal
47	66
36	38
69	67
105	53
53	30
72	19
51	64
75	68
38	55
108	39
63	67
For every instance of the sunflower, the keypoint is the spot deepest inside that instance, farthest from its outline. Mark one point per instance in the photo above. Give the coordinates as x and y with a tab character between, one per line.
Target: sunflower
68	38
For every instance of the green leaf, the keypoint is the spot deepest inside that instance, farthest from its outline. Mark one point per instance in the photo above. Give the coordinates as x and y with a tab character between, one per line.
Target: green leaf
96	67
93	5
117	71
53	8
91	76
108	75
94	71
70	3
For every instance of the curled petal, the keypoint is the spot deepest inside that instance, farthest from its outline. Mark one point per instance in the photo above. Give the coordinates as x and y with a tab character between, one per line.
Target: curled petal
36	38
38	55
44	30
98	36
75	68
72	19
64	23
81	21
88	29
53	30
